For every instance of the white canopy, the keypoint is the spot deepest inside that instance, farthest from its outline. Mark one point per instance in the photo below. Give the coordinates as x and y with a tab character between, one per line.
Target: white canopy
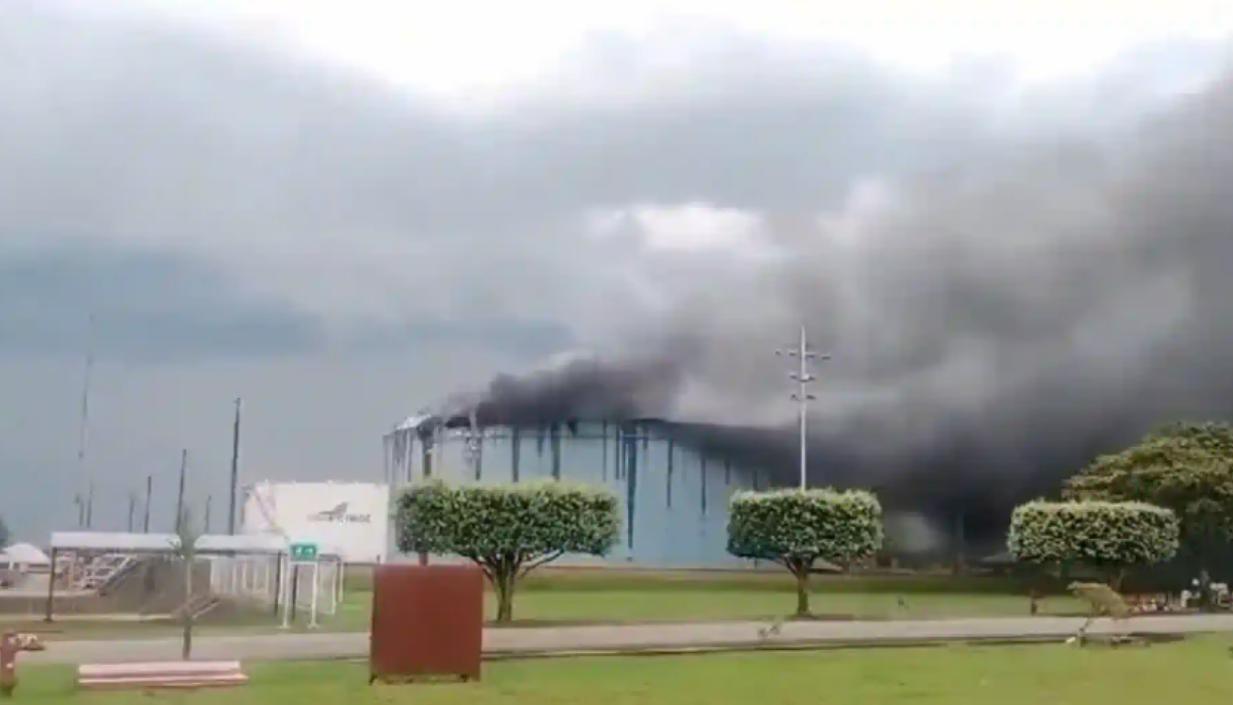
121	542
24	553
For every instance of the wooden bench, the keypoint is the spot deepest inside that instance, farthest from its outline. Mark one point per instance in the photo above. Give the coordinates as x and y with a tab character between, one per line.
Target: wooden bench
165	674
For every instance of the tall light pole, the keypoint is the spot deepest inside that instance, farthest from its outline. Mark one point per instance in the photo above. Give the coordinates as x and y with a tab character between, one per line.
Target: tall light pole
87	476
180	493
145	523
802	377
235	467
132	507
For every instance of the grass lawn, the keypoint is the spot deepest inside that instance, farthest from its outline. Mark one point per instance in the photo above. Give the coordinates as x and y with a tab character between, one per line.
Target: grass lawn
1192	672
595	596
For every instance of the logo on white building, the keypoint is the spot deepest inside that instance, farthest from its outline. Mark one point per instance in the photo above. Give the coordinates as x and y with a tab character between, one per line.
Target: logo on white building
339	515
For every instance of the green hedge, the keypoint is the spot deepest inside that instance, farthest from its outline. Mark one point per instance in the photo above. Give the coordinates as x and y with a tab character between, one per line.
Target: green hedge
797	527
1104	534
840	527
507	530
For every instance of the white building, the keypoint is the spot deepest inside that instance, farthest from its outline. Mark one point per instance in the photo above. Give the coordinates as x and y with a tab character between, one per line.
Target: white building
351	517
24	558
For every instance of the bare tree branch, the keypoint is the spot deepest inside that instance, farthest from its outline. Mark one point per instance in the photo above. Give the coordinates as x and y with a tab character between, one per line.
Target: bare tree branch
542	560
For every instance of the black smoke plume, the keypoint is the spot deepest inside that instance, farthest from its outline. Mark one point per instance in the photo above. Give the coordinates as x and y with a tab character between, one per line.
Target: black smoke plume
573	390
993	326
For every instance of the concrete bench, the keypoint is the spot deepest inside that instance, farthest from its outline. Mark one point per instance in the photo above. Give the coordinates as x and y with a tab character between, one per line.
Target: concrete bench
164	674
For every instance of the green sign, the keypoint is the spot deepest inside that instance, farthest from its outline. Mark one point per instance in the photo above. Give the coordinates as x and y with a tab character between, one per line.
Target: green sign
306	552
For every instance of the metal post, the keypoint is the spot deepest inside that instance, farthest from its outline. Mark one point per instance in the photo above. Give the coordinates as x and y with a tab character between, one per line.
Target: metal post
209	501
278	582
295	588
235	467
286	590
312	616
51	586
180	494
802	377
83	430
145	526
342	577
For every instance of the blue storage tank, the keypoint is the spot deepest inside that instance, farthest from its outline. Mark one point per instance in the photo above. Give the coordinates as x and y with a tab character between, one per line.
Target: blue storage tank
674	495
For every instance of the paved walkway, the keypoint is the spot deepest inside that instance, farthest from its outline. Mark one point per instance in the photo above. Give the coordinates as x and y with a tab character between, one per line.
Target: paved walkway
643	637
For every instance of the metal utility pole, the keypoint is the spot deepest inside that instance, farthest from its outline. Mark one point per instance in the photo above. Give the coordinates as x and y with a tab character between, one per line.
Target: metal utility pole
145	525
802	377
83	430
235	467
180	494
132	507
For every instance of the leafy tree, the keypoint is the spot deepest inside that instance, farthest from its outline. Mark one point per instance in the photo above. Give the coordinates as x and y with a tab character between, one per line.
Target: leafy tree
796	528
4	533
1109	535
185	548
1185	467
510	530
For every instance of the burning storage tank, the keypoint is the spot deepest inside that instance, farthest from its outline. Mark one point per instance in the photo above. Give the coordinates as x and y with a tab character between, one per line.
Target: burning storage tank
674	493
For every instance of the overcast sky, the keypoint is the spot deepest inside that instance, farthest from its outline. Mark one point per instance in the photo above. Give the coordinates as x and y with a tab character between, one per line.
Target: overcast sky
344	212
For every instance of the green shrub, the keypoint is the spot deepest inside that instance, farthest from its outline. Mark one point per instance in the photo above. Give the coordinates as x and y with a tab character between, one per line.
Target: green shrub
795	528
424	522
507	530
1109	535
1186	467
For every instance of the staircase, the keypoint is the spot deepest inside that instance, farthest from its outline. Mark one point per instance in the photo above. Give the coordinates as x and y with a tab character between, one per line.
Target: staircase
103	570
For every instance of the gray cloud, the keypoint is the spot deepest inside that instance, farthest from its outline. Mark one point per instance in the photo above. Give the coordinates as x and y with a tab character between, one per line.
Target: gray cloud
147	307
1003	322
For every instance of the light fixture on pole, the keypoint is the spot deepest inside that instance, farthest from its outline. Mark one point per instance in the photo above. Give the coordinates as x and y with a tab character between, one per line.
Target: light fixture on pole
802	377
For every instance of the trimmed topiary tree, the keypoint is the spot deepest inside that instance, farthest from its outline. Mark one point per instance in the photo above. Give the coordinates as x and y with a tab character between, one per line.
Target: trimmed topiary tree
1109	535
1186	467
423	522
795	528
508	530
